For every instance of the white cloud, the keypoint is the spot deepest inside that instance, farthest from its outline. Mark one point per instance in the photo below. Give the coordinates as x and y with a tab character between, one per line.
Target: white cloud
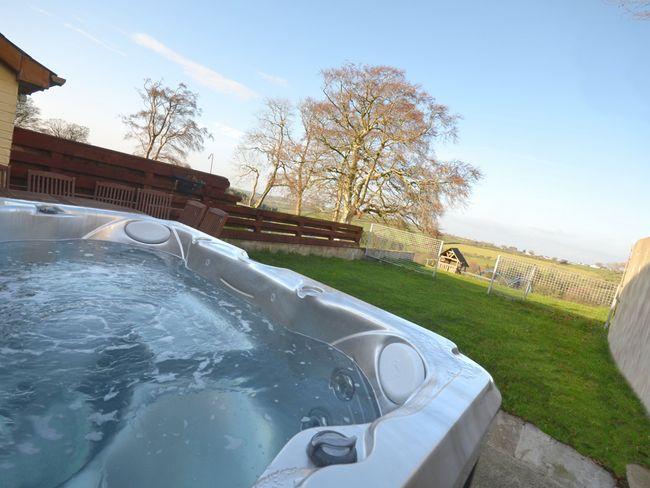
227	131
276	80
201	74
41	11
78	30
92	38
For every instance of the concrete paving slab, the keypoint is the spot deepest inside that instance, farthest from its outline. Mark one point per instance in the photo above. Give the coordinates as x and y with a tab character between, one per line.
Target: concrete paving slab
518	454
497	469
637	476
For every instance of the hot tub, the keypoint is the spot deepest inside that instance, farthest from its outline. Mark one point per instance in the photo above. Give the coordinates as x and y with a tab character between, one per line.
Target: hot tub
141	352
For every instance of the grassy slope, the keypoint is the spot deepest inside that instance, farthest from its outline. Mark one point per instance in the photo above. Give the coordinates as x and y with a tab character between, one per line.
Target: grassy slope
549	358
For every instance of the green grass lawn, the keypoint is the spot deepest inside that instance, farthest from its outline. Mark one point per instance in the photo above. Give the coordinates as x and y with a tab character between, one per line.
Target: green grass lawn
549	358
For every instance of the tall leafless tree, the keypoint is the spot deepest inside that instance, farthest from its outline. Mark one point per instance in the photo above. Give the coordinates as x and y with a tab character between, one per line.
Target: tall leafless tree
365	148
263	153
379	130
166	128
28	117
305	158
65	130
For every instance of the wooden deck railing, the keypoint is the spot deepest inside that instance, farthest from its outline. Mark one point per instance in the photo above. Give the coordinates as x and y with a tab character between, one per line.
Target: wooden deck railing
90	164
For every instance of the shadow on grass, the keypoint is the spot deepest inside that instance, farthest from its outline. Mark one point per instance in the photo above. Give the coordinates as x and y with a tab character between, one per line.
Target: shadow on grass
551	361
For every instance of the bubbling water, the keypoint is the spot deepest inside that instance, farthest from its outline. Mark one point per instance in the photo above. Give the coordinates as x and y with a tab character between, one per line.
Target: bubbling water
118	367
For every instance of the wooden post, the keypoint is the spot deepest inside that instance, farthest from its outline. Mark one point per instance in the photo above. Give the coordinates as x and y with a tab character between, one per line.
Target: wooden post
193	213
213	222
435	268
369	240
494	273
619	290
529	285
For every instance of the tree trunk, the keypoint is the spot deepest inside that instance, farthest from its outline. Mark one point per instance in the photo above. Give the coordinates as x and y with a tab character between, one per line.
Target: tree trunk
297	209
349	215
337	207
269	186
251	198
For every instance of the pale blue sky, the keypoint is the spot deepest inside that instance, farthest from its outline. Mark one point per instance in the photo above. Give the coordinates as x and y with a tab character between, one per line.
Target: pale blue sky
555	95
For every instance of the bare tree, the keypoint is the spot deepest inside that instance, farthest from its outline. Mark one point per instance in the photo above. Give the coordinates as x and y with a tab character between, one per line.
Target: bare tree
165	129
420	196
65	130
251	169
28	117
305	158
379	131
263	153
366	148
27	113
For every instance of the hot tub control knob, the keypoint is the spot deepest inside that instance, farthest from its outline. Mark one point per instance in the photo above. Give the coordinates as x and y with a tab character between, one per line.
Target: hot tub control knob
328	447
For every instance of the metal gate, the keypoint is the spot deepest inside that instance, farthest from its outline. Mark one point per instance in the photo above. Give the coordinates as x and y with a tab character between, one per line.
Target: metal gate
411	250
518	278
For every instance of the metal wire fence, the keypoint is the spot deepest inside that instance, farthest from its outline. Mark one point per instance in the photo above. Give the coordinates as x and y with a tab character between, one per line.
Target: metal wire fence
412	250
518	278
512	277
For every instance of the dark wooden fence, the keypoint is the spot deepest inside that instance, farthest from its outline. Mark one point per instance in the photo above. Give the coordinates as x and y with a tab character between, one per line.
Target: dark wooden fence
265	225
89	164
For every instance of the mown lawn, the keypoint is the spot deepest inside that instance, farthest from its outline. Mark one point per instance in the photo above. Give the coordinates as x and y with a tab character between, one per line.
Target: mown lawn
549	358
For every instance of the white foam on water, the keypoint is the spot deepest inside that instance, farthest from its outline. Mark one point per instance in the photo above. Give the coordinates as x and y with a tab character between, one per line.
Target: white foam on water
162	378
111	394
121	347
94	436
98	418
77	404
27	448
43	429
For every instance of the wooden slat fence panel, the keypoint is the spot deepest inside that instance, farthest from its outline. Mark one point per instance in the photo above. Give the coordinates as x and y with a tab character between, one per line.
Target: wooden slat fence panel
50	183
266	225
154	203
115	194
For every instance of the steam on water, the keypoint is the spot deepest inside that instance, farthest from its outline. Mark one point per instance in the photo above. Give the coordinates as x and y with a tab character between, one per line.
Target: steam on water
118	367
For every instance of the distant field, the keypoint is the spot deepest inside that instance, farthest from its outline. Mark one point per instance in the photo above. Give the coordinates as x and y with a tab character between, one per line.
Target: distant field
485	257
